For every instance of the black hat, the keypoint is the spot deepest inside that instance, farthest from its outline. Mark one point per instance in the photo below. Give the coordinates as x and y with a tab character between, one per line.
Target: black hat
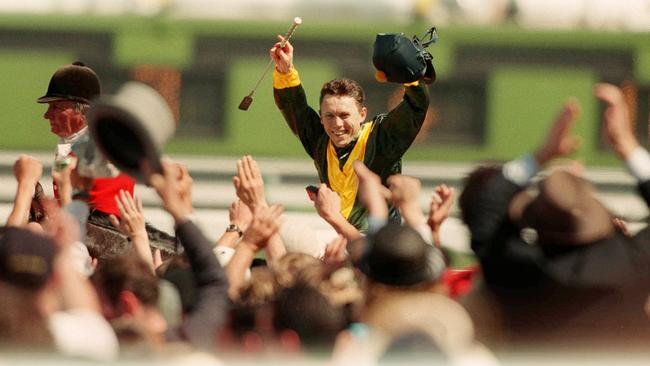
565	212
398	256
25	258
403	60
76	82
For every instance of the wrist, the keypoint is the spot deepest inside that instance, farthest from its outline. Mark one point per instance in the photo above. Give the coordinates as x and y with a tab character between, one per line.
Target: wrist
336	221
378	210
259	203
27	187
247	246
183	216
541	157
414	219
140	235
625	150
233	228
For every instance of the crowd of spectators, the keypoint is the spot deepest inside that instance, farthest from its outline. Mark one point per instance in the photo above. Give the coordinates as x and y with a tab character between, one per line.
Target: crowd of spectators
555	268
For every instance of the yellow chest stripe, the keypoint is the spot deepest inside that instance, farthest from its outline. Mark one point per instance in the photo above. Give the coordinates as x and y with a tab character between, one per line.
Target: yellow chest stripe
345	182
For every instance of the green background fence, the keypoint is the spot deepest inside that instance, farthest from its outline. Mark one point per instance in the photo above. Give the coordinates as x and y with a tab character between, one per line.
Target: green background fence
498	88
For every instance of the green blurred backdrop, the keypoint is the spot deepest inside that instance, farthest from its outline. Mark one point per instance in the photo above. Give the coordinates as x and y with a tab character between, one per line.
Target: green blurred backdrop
496	92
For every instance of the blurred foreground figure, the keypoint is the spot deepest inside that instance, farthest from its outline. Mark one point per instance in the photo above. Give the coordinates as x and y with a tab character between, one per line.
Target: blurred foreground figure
557	272
47	304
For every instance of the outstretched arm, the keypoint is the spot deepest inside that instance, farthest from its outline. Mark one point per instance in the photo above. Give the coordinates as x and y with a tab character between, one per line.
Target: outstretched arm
27	171
618	131
201	324
265	223
240	216
373	195
328	206
132	224
249	185
400	126
282	56
291	100
491	204
439	210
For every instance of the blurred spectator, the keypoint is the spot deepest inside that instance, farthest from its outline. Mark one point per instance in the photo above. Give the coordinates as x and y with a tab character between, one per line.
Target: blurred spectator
557	272
47	303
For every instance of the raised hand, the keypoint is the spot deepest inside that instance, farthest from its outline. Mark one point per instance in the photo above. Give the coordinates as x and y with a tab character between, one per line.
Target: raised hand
618	127
335	251
65	180
28	170
61	226
174	186
372	193
327	203
283	57
405	191
266	222
240	215
249	183
559	140
439	209
328	206
131	222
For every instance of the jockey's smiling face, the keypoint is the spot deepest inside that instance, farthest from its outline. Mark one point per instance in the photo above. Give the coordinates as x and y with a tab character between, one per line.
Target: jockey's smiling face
341	117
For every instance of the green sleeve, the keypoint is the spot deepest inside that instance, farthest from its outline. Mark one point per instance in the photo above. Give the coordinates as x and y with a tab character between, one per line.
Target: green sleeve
303	121
398	128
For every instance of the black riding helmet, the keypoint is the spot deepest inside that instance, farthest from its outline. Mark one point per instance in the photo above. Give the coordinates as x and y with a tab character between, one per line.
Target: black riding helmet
76	82
403	60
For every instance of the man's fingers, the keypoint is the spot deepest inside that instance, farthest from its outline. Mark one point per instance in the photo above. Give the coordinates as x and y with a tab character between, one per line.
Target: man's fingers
255	169
609	94
571	144
236	181
127	203
568	115
120	206
114	221
434	205
276	210
241	172
385	192
247	168
138	203
157	182
361	170
448	200
157	258
130	202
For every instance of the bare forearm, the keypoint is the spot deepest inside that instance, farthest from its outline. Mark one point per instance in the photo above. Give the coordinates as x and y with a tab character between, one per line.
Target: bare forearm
343	227
228	239
412	214
75	290
275	248
22	202
141	246
236	268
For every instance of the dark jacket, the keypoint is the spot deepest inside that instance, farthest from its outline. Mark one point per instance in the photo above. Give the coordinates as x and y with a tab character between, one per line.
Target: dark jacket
556	294
200	326
392	135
